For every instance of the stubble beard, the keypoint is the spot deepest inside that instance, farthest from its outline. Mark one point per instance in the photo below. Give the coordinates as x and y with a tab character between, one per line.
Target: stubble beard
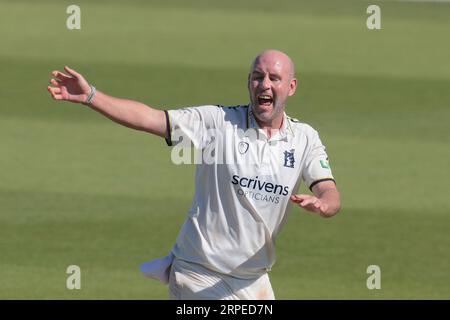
267	117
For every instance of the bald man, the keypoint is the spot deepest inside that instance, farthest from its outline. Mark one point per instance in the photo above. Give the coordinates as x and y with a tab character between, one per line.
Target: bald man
253	158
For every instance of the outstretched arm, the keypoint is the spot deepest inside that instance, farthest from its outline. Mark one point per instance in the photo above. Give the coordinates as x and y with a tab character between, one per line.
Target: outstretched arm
326	200
72	86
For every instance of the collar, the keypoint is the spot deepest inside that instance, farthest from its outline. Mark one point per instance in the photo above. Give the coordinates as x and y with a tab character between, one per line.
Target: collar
282	134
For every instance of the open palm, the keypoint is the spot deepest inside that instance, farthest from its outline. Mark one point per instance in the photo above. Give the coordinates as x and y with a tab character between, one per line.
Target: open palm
71	86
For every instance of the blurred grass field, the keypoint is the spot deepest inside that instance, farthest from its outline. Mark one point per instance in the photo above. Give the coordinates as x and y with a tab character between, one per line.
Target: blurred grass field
75	188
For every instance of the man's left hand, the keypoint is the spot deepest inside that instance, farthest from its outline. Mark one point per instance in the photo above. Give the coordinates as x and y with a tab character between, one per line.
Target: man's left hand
310	203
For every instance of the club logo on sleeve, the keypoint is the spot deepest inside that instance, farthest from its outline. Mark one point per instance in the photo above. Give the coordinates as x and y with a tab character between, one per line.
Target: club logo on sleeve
324	164
289	158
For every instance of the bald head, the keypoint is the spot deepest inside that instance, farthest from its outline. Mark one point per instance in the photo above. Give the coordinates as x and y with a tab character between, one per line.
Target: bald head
277	58
270	82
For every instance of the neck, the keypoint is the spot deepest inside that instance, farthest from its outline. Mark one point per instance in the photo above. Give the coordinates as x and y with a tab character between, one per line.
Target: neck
271	127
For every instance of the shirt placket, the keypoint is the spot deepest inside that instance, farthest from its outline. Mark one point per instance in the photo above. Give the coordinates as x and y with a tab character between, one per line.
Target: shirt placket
265	161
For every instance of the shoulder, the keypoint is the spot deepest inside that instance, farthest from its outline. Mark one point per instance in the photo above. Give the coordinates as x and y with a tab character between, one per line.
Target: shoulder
201	113
235	115
301	128
219	109
213	115
231	114
238	109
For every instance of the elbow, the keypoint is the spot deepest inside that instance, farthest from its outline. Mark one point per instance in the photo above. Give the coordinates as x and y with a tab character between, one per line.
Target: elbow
332	211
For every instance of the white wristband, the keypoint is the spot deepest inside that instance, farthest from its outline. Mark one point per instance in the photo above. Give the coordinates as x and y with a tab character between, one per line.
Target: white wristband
91	95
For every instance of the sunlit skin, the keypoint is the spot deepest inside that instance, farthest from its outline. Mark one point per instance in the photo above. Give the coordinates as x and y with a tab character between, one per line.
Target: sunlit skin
270	82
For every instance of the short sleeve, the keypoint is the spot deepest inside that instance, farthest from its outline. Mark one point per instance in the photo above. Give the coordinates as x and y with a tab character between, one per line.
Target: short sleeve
317	167
192	126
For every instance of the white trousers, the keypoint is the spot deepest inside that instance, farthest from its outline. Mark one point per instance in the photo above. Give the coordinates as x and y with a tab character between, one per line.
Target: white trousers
190	281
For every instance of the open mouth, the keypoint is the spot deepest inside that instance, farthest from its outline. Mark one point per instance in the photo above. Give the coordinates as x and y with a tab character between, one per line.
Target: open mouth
265	100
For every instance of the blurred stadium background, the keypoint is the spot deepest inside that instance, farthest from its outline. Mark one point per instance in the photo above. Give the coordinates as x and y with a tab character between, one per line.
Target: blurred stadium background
75	188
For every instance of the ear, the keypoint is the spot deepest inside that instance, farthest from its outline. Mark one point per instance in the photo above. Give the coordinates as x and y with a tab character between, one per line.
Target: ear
292	87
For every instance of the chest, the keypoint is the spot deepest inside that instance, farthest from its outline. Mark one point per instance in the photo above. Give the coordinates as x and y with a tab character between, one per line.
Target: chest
277	160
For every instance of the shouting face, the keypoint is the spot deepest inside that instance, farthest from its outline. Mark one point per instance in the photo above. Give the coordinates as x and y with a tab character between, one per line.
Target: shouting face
271	81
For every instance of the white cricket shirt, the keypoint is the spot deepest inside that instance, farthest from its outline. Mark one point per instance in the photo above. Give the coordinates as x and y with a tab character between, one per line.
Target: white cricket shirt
243	183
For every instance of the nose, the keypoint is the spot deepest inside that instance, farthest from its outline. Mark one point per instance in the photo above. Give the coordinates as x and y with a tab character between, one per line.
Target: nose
265	83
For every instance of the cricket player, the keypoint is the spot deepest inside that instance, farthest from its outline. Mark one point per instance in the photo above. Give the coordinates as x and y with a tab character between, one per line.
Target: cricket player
253	158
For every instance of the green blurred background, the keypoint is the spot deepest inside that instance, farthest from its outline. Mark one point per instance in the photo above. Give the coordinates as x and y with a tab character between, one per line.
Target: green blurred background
76	188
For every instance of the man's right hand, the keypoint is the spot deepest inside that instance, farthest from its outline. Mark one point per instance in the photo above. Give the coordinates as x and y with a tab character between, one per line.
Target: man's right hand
70	87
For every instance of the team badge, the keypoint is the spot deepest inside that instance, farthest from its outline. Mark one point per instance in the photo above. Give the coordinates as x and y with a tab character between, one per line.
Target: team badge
289	158
242	147
324	164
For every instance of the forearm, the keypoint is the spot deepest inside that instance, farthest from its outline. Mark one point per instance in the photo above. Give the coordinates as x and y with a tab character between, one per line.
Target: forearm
130	113
332	201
